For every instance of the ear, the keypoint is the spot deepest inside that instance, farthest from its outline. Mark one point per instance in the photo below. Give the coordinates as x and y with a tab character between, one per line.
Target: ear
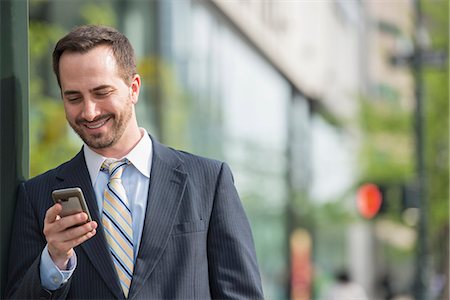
135	88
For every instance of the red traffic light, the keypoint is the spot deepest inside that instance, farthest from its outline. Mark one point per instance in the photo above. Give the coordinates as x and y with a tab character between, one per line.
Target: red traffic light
368	200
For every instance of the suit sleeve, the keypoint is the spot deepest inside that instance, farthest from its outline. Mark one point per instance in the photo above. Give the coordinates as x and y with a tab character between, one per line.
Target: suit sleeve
233	269
27	243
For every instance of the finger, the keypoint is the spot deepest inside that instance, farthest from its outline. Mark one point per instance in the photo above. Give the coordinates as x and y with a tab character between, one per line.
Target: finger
79	240
72	220
64	242
76	232
52	213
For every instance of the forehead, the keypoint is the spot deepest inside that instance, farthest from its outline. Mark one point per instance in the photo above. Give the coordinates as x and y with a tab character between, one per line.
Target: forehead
94	66
100	56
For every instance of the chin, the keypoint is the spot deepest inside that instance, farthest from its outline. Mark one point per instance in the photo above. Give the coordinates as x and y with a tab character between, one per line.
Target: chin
97	141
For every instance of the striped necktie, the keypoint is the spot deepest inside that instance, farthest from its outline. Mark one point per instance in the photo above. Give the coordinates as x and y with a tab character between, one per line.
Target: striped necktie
117	223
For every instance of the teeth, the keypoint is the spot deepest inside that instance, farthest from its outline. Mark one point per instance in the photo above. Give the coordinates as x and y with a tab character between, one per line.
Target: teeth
96	126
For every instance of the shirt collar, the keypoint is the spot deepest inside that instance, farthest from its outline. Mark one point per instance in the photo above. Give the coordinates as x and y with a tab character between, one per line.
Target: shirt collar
140	156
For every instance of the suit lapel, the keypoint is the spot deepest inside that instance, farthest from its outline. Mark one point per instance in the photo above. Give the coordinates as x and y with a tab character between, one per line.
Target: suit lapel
75	174
167	184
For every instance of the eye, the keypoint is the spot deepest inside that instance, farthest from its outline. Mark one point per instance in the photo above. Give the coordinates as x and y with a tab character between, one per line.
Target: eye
73	99
103	93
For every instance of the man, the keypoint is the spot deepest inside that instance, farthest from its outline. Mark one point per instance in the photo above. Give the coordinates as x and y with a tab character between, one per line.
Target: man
180	232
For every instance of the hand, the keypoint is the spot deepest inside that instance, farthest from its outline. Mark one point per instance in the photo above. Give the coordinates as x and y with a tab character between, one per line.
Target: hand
62	237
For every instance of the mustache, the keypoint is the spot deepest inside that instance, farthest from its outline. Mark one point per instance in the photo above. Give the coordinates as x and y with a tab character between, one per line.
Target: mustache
81	121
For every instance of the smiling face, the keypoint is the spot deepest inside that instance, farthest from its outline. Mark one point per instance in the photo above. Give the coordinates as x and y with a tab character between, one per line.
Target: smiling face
99	105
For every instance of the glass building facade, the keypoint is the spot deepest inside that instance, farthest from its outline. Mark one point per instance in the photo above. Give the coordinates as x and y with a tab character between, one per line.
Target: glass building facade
233	106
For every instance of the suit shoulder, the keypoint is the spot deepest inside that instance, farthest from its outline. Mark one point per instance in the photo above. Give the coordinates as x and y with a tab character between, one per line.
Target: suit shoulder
194	159
202	169
46	177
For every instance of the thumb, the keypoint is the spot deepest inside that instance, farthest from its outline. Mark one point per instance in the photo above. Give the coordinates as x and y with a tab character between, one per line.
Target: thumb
52	213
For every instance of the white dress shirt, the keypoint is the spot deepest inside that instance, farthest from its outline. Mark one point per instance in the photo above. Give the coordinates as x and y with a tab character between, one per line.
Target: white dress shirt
136	180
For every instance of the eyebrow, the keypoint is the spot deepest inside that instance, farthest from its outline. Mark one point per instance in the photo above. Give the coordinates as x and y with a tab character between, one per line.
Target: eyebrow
101	87
69	92
98	88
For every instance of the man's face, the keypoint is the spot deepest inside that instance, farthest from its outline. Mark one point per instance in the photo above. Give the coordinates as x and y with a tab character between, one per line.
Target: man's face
98	103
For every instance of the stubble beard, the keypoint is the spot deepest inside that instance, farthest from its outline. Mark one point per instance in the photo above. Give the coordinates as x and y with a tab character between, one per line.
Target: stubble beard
108	139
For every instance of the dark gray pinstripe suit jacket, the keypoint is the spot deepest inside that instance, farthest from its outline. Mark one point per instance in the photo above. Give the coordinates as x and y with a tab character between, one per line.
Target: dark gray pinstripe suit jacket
196	240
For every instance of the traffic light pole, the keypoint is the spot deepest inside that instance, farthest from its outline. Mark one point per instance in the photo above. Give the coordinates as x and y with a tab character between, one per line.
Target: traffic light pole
421	276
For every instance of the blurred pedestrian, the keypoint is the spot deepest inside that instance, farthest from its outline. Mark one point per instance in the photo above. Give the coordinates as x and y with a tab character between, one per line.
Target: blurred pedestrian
345	289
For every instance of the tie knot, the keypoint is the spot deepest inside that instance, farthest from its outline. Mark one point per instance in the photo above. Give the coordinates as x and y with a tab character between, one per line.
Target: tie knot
114	167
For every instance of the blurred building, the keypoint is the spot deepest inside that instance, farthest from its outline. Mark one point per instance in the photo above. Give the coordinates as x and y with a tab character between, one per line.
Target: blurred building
390	34
273	89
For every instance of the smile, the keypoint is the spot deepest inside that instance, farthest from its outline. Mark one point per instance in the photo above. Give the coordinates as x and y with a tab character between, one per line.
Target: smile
96	125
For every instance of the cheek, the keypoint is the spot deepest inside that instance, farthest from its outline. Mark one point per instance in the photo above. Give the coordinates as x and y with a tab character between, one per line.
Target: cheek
71	112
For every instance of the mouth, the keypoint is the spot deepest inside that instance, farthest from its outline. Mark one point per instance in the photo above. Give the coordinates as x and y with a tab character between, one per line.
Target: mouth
96	124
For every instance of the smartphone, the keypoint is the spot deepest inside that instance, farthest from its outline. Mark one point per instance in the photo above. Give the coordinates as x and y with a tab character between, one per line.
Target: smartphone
72	201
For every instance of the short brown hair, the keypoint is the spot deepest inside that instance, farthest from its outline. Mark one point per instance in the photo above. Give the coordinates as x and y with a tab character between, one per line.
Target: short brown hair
86	37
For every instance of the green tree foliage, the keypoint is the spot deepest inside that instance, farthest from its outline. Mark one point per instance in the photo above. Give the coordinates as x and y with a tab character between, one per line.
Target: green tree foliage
437	115
99	13
171	100
436	94
50	143
386	153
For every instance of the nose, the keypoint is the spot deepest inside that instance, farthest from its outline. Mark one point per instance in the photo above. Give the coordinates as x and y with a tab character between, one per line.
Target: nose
90	110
